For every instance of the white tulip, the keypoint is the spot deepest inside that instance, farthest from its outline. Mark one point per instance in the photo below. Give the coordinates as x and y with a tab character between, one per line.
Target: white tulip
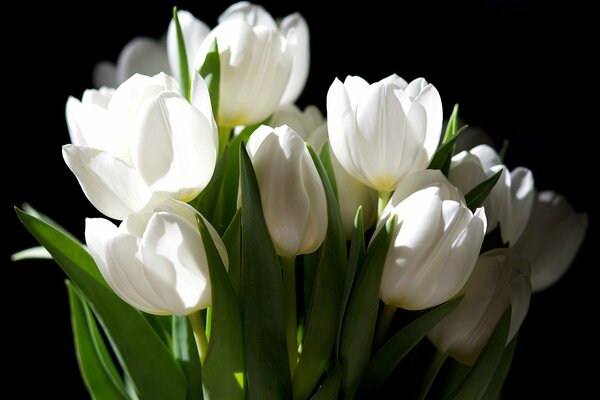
383	132
311	126
435	242
141	55
293	27
291	191
156	261
510	201
142	144
551	239
500	278
194	32
255	68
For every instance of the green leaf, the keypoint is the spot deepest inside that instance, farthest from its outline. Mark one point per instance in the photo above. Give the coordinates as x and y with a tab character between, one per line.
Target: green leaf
223	369
476	382
232	240
448	379
494	389
206	202
162	325
330	389
321	329
361	314
355	258
390	355
479	193
211	72
184	71
326	160
141	352
263	307
452	127
185	352
32	253
443	156
99	374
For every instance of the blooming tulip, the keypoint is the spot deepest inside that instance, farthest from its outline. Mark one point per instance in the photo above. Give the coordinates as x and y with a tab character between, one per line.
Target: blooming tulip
293	27
255	68
435	242
383	132
142	144
551	239
311	126
291	191
156	261
510	201
500	278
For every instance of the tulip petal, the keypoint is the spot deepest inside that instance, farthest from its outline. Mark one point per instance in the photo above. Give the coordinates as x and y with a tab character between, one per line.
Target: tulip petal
253	14
142	55
487	155
522	192
194	32
429	98
112	186
200	98
295	29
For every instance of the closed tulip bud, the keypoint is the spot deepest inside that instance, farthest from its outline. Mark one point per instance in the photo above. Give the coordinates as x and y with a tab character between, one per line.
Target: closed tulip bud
383	132
291	191
155	261
435	242
510	201
194	32
293	27
551	239
141	145
256	62
500	278
311	126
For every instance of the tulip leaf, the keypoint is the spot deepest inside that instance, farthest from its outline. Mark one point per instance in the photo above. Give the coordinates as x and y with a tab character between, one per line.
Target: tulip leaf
355	258
320	331
479	193
330	389
143	356
185	352
206	202
325	156
184	71
361	313
476	382
390	355
448	379
97	368
223	369
211	72
495	387
232	240
452	127
443	156
32	253
162	326
263	307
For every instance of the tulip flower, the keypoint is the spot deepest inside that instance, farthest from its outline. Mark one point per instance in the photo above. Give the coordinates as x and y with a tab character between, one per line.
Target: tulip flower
510	201
435	243
500	278
142	144
141	55
256	62
383	132
311	126
293	27
551	239
291	191
155	261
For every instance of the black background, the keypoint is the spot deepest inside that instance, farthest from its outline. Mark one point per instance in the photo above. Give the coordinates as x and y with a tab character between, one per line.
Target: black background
520	69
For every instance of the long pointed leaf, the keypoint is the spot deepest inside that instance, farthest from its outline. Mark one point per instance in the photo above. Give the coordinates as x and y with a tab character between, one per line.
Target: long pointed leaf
495	387
211	72
185	352
184	71
330	389
479	193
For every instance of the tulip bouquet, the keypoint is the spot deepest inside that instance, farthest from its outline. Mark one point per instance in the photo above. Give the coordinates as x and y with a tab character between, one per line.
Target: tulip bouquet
259	251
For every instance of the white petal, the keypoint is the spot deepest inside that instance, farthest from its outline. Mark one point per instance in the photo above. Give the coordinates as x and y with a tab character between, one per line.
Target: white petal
295	29
142	55
105	74
522	192
38	252
355	86
253	14
200	98
112	186
487	155
430	100
175	147
194	32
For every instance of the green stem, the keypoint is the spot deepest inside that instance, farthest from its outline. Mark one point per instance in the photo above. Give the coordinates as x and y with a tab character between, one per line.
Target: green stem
431	374
289	285
224	135
383	326
199	334
384	198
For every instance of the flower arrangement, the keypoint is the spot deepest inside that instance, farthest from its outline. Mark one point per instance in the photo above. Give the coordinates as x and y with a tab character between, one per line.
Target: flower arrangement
248	263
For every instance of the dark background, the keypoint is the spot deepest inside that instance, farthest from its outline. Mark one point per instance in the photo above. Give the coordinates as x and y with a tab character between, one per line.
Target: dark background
519	69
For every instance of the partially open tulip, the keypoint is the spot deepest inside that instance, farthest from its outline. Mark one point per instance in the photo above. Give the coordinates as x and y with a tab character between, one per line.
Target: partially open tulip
551	239
155	261
435	242
141	145
293	27
291	191
500	278
256	62
510	201
382	132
